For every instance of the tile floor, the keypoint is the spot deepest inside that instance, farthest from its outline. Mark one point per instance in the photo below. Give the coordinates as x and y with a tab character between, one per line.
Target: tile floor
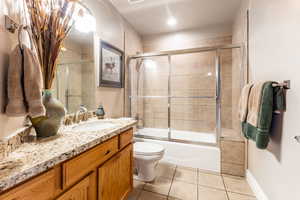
181	183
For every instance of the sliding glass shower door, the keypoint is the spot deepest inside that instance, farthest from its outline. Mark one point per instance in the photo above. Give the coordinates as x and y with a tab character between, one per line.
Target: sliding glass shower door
176	97
149	99
193	97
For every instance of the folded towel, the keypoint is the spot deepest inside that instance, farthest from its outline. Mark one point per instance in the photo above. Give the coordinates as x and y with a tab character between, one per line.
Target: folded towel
15	90
264	99
243	103
254	104
24	86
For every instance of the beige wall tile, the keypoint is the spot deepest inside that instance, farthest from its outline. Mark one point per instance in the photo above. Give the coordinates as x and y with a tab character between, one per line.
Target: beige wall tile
233	152
232	169
191	75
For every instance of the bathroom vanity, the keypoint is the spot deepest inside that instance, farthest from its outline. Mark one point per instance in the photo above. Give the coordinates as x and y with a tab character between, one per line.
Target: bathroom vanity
97	165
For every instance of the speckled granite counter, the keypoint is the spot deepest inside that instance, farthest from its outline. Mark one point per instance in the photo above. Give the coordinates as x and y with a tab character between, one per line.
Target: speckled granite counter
35	157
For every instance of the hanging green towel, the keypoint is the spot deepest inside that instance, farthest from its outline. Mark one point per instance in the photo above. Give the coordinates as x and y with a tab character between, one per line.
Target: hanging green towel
264	100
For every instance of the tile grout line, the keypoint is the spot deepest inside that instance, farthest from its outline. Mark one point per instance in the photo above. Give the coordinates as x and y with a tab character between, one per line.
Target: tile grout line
139	195
225	187
198	184
240	193
168	195
210	187
141	190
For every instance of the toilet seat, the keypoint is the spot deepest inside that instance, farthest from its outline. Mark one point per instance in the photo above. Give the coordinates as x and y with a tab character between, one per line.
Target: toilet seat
147	149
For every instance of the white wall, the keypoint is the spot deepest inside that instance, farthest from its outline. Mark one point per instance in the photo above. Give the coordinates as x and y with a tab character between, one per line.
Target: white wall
274	55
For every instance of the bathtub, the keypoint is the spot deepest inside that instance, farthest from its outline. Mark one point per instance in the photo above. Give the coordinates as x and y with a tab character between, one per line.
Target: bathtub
189	155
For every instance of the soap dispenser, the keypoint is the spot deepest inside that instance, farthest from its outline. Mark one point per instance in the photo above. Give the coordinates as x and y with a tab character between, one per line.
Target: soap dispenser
100	112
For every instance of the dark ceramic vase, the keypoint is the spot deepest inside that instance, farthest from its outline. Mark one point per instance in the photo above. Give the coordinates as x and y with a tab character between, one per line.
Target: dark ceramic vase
49	125
100	112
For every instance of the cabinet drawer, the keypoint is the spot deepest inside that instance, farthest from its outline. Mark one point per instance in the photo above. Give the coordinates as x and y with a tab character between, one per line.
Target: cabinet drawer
126	138
78	167
42	187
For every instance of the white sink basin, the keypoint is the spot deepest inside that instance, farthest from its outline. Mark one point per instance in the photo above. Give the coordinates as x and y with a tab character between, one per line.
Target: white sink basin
93	126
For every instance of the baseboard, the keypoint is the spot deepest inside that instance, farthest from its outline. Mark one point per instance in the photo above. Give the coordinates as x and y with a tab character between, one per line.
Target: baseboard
257	190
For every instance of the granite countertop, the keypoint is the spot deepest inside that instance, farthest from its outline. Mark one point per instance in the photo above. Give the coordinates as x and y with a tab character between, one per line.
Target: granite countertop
35	157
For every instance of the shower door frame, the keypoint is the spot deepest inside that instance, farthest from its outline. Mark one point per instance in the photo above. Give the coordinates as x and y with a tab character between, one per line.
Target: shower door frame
217	96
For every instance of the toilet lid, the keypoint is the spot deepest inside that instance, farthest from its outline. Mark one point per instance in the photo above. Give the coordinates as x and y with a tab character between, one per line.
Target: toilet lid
147	148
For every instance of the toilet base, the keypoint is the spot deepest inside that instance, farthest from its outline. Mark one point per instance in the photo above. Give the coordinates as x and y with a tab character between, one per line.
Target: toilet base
145	170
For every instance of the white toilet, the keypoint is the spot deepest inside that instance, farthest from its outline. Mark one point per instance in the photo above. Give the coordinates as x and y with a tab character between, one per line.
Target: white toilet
146	157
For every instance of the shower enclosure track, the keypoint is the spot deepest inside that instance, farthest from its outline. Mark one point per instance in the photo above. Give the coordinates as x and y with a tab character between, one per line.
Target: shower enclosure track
217	97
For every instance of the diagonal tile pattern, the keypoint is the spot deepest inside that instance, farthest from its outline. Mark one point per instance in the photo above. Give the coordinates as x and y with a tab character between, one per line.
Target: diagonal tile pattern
182	183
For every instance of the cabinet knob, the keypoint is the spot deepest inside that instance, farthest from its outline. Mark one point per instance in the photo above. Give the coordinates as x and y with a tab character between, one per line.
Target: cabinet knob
107	152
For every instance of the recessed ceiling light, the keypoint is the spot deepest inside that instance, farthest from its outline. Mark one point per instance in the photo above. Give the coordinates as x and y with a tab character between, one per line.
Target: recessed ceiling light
172	21
135	1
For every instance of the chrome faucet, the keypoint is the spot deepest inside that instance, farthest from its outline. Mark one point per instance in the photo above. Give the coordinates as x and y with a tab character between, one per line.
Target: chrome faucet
81	114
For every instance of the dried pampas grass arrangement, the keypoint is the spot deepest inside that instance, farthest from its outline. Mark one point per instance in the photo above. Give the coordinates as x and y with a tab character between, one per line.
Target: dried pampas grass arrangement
50	23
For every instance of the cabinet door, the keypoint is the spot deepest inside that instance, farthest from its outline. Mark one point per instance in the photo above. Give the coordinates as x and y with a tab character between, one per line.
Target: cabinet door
81	191
125	172
115	176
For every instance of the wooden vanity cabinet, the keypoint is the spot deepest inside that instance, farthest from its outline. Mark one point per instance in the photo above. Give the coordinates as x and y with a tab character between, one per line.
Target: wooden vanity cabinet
115	176
103	172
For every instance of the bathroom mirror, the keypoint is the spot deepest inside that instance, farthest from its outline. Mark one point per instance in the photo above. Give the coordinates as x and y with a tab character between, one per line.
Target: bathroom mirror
75	82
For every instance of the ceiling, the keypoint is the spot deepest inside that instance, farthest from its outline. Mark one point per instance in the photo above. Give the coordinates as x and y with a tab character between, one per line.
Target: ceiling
150	16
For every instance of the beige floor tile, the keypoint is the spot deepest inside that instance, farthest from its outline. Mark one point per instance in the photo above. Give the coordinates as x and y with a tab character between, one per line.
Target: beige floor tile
151	196
235	196
174	198
208	172
134	194
205	193
160	185
138	184
237	184
165	170
189	176
183	190
211	180
187	168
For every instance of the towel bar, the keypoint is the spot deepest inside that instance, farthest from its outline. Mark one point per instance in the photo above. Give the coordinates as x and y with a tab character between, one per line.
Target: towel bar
285	84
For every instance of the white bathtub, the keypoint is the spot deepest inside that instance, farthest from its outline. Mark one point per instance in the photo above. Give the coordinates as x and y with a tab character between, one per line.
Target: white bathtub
190	155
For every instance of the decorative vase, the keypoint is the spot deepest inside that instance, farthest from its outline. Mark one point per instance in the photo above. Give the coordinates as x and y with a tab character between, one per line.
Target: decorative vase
49	125
100	112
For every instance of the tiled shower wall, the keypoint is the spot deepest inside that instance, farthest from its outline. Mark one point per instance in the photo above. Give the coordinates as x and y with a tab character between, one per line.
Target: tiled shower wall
191	75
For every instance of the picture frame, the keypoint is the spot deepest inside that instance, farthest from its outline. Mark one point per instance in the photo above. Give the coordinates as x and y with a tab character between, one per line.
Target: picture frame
111	66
